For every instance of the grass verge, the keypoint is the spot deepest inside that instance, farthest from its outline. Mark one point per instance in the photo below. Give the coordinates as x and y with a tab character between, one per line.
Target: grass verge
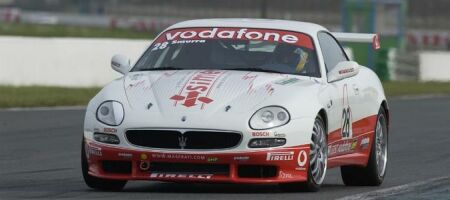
34	30
411	88
36	96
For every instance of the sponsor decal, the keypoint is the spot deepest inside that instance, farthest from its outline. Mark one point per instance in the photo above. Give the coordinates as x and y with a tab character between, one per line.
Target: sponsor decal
135	77
143	156
344	71
301	160
197	89
135	85
196	35
241	158
125	155
287	81
269	89
280	156
189	176
187	41
365	143
343	147
212	159
251	79
92	150
279	135
110	130
260	133
163	45
285	175
354	144
178	156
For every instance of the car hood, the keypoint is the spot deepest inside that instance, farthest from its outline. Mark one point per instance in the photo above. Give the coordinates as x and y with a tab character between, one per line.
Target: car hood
206	91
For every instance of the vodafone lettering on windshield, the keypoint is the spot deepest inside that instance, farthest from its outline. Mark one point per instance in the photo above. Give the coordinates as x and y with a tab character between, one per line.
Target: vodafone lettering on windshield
268	35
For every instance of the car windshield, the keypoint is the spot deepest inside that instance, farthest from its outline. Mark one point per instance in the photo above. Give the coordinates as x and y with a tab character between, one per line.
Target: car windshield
245	49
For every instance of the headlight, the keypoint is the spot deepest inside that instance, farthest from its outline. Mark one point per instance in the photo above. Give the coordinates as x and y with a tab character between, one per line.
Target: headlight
110	113
269	117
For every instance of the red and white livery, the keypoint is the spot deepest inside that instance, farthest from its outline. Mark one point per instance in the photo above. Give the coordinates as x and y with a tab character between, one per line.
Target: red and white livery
239	101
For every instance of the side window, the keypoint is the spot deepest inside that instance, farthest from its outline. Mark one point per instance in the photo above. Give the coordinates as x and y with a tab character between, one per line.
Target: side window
331	50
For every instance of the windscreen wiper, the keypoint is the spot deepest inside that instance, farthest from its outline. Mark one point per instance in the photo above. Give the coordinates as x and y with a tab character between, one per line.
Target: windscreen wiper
163	68
254	69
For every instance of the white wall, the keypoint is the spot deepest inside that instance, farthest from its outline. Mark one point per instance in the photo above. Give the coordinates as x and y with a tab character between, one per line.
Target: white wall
80	62
76	62
434	66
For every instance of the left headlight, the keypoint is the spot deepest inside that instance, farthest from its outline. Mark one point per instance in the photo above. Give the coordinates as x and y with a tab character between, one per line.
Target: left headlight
110	113
269	117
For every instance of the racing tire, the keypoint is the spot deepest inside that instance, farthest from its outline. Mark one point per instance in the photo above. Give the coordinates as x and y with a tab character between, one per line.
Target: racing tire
98	183
317	163
373	174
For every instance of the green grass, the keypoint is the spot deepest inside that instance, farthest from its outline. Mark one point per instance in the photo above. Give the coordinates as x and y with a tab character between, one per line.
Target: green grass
35	96
19	29
410	88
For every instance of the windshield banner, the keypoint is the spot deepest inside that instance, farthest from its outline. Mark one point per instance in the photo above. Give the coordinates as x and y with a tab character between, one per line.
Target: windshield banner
269	35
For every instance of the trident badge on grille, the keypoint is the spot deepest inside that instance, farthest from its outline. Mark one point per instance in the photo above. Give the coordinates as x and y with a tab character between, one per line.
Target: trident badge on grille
182	141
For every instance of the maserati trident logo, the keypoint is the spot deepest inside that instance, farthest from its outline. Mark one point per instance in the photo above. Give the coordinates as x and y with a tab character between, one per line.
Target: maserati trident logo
182	141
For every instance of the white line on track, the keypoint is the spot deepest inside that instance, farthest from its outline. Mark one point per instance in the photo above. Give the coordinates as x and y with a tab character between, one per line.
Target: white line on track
382	193
56	108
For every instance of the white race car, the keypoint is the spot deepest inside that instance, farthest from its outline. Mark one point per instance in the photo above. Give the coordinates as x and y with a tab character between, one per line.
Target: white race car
239	101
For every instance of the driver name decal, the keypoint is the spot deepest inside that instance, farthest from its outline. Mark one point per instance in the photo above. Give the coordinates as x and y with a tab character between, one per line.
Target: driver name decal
197	89
199	35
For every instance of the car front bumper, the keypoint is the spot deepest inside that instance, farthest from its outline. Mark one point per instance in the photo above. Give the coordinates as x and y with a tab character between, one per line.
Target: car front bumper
269	165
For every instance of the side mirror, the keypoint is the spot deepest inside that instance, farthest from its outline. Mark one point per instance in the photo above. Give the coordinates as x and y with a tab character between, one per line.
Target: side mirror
121	64
342	70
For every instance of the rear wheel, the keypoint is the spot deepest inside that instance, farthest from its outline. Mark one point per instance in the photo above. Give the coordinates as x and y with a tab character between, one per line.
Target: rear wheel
98	183
317	162
373	174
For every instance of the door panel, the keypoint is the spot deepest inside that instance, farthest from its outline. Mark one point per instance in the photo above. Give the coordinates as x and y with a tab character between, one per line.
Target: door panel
341	117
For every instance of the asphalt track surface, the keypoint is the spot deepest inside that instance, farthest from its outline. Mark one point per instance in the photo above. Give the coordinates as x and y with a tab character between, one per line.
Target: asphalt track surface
40	158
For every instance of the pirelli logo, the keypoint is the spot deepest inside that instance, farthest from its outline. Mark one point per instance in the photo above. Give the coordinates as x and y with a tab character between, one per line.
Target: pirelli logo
280	156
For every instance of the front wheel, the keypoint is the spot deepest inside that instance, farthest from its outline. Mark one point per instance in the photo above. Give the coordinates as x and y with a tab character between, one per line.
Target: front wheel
98	183
373	174
317	162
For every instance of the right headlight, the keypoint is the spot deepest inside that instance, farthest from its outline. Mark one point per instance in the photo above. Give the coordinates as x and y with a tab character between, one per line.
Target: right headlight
269	117
110	113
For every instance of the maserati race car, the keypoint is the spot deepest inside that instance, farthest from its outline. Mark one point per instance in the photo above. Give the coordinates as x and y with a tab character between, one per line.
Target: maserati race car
239	101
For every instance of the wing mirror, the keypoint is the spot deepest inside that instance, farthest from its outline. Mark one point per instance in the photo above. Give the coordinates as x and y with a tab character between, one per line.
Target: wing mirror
342	70
121	64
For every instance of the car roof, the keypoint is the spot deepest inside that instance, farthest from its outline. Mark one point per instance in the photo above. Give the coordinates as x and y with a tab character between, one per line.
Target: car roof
304	27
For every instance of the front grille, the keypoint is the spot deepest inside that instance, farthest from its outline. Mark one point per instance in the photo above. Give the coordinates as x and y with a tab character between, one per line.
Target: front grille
187	168
172	139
